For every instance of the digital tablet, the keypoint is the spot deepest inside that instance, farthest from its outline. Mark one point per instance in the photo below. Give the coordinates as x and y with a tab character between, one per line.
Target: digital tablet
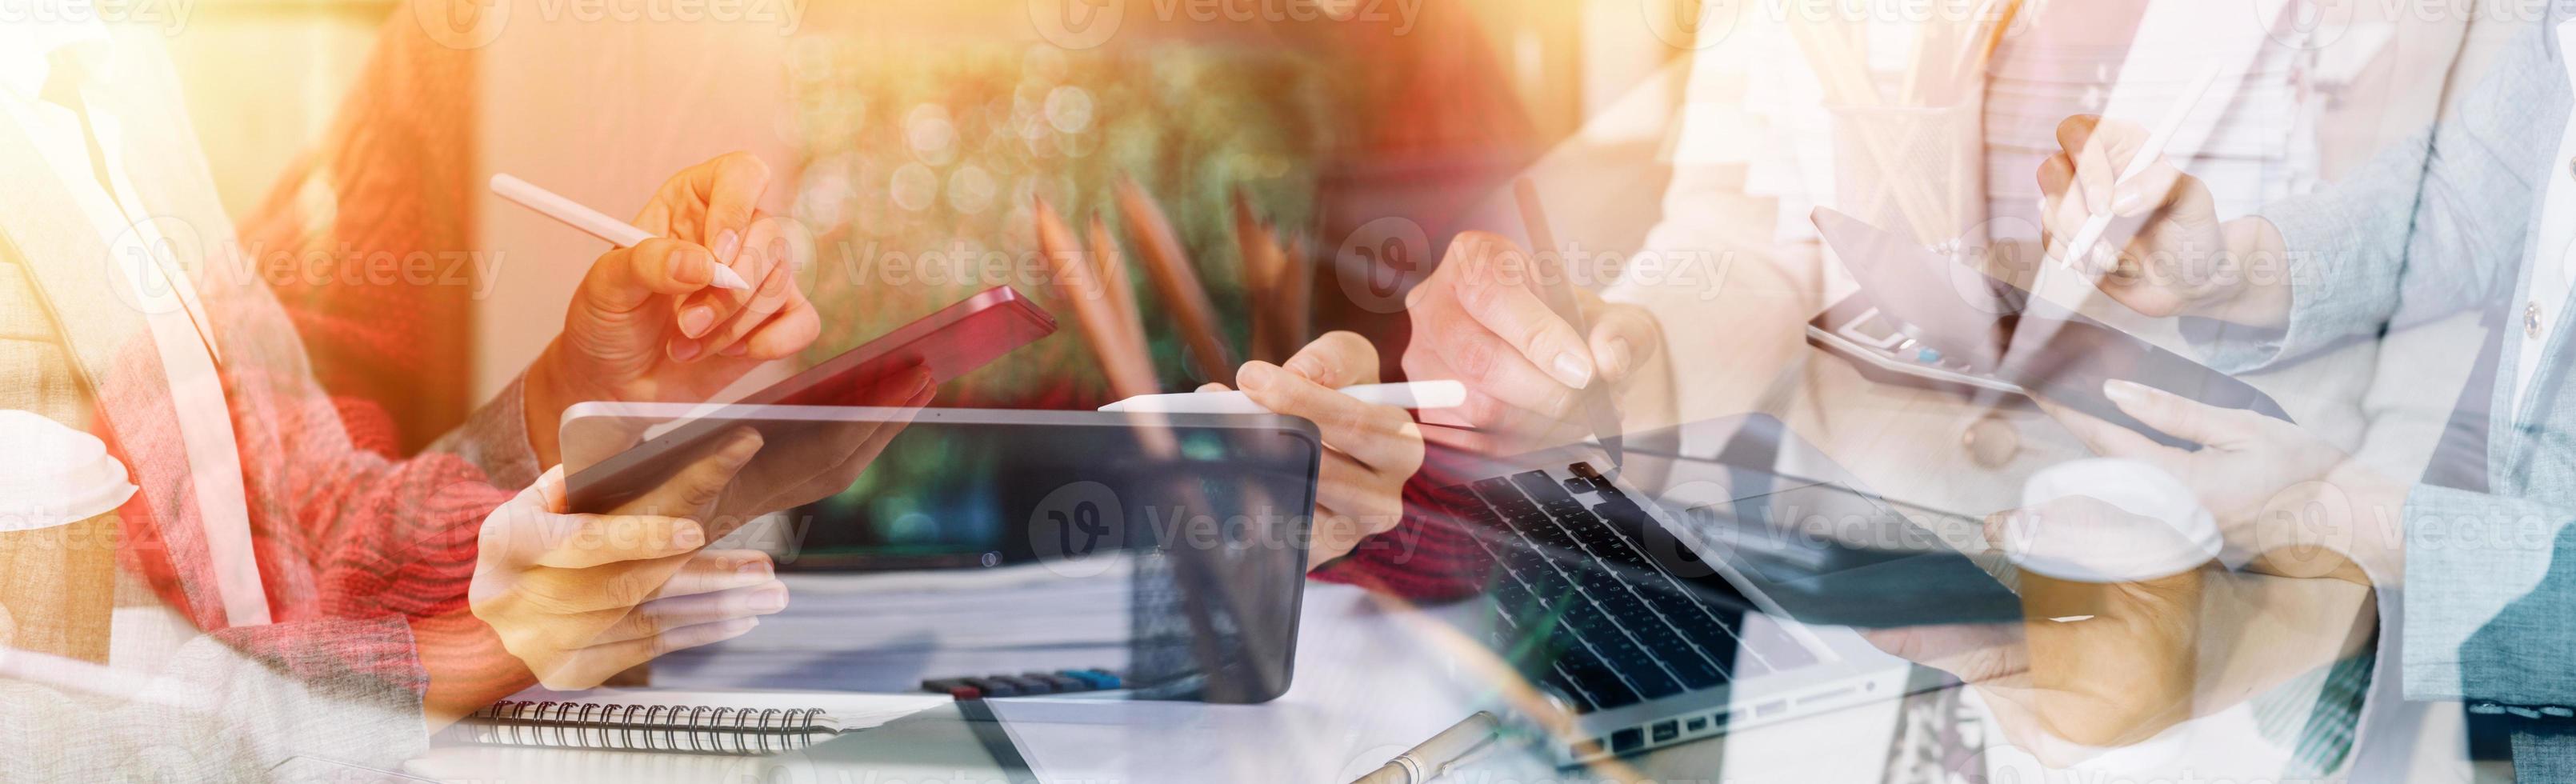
1965	330
948	343
1195	524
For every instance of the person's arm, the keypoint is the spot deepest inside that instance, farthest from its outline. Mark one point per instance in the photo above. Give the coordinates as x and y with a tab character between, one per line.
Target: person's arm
2432	224
2517	662
2469	558
225	707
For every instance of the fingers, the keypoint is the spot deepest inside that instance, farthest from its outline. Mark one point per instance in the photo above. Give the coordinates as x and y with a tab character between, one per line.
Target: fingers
1976	653
696	487
1486	363
772	295
1497	292
626	278
531	530
593	665
2087	141
792	330
714	202
594	540
708	571
1337	359
653	618
2182	417
2104	438
1380	437
1623	338
769	259
1352	503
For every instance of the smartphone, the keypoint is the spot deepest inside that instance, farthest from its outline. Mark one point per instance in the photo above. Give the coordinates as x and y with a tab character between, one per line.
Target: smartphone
949	342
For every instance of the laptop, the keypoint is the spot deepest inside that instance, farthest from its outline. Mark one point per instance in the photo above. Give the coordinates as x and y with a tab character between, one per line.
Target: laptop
1688	597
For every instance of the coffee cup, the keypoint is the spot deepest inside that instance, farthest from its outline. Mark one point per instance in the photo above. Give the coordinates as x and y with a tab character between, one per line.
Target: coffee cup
53	475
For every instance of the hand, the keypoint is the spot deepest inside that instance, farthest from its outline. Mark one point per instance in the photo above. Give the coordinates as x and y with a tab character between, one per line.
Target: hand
1479	319
2093	665
647	323
2181	259
1370	450
581	597
2260	477
817	461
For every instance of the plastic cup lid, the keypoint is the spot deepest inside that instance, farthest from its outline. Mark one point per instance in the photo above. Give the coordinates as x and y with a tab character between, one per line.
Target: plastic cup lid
2153	526
54	475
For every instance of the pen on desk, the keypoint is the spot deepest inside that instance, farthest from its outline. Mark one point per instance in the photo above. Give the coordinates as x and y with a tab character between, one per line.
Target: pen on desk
1599	410
590	221
1413	395
1433	757
2148	153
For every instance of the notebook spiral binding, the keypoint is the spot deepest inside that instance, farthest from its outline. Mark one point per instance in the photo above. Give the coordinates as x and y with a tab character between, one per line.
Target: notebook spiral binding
677	729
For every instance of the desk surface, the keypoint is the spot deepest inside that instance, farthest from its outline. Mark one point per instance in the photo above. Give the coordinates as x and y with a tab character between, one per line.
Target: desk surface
1366	688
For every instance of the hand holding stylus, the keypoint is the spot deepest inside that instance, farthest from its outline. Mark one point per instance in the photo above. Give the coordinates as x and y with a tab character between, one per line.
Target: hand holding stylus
652	321
1478	319
1370	448
2182	260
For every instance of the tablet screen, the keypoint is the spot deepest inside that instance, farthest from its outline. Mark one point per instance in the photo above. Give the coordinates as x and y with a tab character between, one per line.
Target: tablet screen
1170	549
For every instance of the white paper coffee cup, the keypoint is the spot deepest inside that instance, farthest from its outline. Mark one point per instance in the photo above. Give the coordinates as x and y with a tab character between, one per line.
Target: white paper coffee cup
2166	532
52	475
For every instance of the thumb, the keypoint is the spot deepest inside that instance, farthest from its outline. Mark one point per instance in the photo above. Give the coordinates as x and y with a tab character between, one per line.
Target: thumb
2178	416
1623	339
626	278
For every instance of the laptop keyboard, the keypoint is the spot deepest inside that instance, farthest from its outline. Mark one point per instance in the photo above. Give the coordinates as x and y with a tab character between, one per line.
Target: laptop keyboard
1610	626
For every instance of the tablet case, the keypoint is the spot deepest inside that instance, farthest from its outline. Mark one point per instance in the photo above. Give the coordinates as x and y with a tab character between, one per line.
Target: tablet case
1982	327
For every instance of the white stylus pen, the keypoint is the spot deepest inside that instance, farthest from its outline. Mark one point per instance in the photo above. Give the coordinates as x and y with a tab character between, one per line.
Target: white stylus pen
1414	395
2153	149
591	222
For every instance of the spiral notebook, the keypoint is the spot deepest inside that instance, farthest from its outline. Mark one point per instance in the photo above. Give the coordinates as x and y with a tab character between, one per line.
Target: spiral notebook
677	722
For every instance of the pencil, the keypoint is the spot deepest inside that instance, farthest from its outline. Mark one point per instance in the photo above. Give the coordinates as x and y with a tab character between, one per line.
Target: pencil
1080	287
1121	289
1296	287
1177	281
1261	264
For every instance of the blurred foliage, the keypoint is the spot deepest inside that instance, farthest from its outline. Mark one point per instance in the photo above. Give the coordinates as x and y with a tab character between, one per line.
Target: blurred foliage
921	159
